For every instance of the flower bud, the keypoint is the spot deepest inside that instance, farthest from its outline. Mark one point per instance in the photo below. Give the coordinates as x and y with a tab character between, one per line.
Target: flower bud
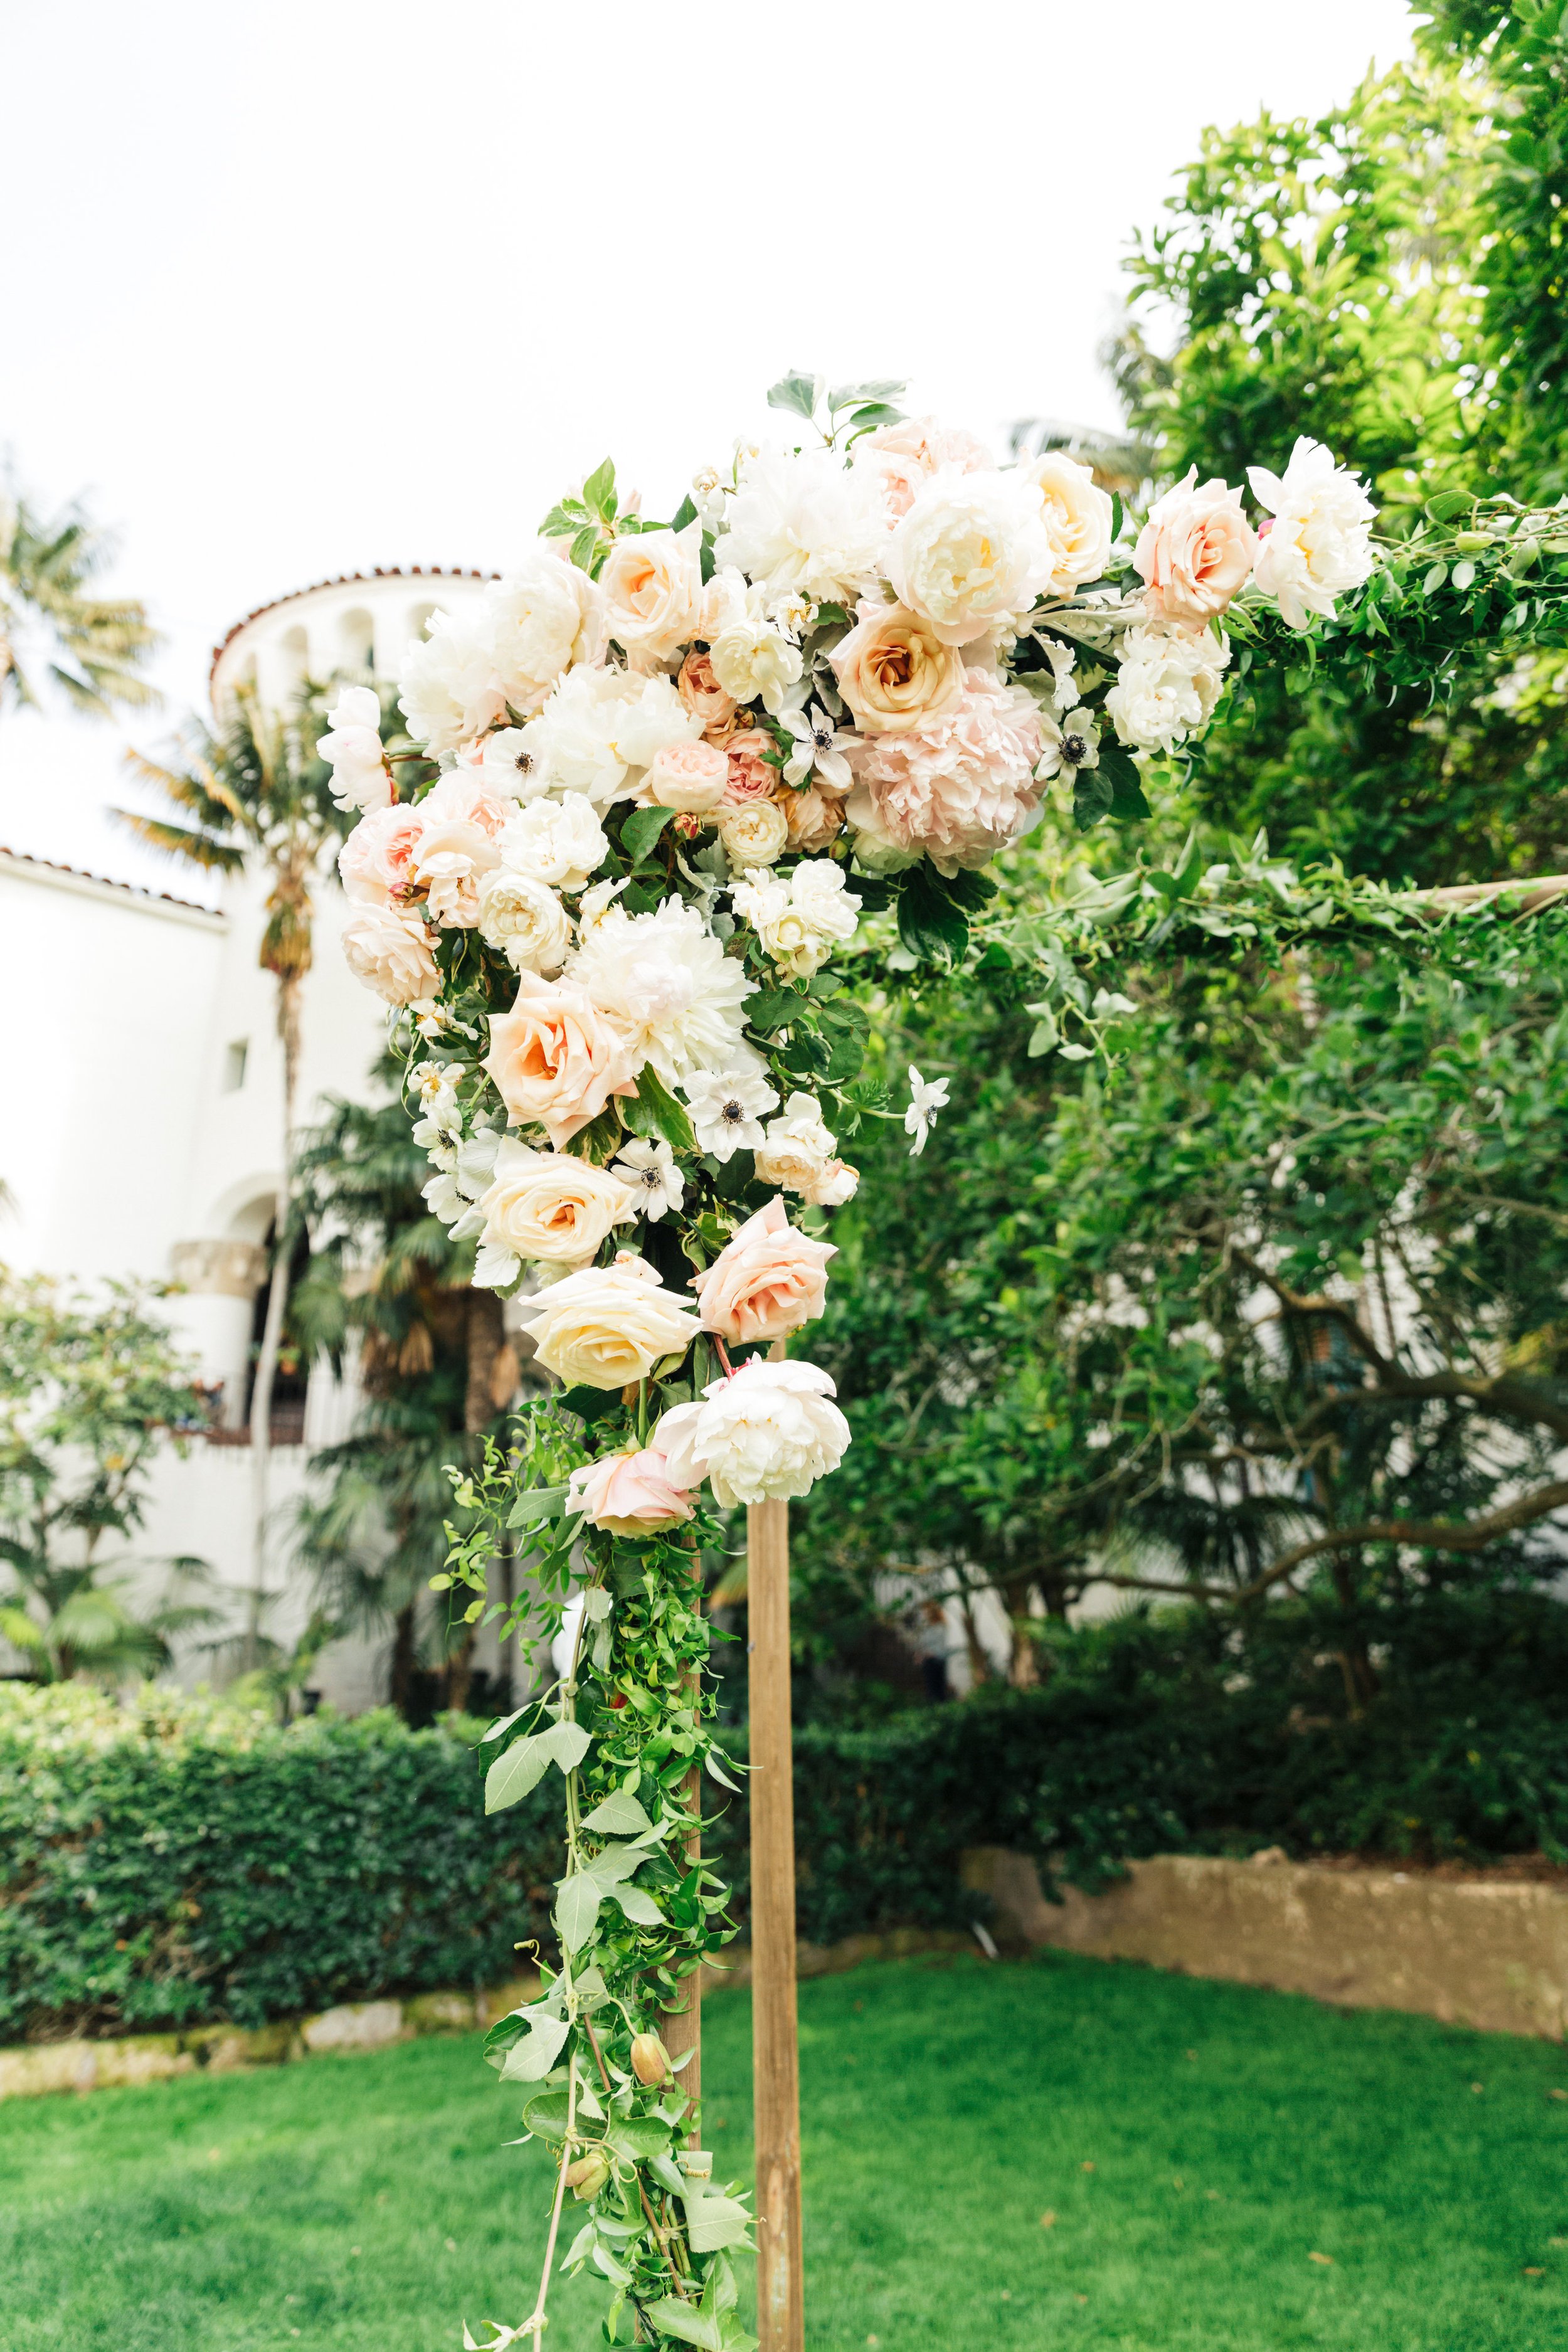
588	2175
650	2060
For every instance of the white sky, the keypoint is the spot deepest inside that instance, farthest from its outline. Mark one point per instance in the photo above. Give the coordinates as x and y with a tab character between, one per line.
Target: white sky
301	289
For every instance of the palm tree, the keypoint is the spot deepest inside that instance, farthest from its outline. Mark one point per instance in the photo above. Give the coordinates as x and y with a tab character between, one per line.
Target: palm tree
91	647
253	792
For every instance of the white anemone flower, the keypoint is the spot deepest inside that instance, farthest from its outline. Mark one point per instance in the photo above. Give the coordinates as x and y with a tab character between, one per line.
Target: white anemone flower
727	1109
649	1170
818	744
1072	741
927	1096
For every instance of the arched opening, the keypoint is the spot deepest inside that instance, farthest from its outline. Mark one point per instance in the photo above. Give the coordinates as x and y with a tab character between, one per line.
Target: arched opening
292	1380
293	658
357	640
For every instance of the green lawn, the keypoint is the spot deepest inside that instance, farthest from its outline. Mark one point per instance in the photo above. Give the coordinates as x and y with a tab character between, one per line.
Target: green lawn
1196	2143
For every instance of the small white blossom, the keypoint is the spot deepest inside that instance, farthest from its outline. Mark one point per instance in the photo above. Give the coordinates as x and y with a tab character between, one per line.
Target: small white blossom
650	1168
727	1108
435	1084
1071	742
927	1096
818	744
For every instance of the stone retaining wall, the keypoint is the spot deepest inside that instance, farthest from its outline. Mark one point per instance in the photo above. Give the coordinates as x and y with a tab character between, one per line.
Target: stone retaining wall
1488	1951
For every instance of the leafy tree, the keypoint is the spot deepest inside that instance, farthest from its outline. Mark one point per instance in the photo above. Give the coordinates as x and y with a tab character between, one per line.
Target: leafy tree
91	648
88	1392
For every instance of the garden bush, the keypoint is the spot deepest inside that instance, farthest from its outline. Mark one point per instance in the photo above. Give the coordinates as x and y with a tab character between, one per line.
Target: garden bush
172	1863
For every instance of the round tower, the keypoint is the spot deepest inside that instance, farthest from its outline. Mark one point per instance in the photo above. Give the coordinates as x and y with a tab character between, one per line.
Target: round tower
357	626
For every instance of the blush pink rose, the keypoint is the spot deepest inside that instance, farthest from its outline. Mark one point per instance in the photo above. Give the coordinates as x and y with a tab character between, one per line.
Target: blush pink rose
555	1060
629	1493
750	777
702	693
769	1279
1196	550
905	456
688	776
374	860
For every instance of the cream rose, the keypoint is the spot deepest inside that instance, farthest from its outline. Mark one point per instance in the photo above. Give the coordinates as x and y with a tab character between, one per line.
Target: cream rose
555	1060
1196	550
389	951
768	1280
559	841
653	591
971	555
373	861
525	919
702	693
609	1324
1077	517
551	1209
629	1493
751	658
797	1154
814	818
754	834
688	776
894	671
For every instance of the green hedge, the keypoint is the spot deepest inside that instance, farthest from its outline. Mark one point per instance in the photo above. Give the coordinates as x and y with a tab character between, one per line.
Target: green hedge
175	1863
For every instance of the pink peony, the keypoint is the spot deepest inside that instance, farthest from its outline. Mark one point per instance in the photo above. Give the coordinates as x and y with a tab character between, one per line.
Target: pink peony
962	787
629	1493
750	777
374	860
769	1279
905	456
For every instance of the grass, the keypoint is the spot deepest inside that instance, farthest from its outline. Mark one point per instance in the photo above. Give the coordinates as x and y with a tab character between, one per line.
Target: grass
1197	2145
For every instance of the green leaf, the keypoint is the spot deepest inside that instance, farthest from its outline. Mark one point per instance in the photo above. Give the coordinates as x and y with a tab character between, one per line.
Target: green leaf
546	2115
599	489
565	1744
773	1009
511	1776
618	1815
531	2060
683	2319
537	1503
853	395
874	413
591	1404
1093	792
844	1028
713	1766
654	1111
639	1906
641	829
585	547
712	2222
930	923
577	1909
1448	504
799	393
684	513
639	2137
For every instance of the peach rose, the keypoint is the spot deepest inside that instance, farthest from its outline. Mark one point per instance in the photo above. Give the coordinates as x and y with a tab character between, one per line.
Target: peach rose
702	693
1194	552
629	1493
653	592
688	776
555	1060
388	949
814	818
769	1279
373	861
750	777
894	672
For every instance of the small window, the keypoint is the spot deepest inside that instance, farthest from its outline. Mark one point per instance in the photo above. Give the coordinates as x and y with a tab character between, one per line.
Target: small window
233	1060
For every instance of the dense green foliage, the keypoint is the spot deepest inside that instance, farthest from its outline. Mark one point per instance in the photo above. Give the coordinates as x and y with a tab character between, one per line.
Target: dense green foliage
1193	2143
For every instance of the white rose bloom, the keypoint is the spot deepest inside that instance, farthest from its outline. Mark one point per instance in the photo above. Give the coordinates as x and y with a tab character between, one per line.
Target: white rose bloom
351	749
653	594
665	985
799	921
972	554
797	1154
754	834
753	658
768	1431
451	857
448	691
1166	687
525	919
1320	542
609	1324
559	841
389	949
649	1171
601	724
801	523
546	1208
544	617
1077	516
727	1109
655	721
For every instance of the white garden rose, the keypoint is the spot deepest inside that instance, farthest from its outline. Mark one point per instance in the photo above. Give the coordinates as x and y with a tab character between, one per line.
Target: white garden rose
1076	514
798	1153
768	1431
1166	687
389	951
799	921
754	834
653	594
753	658
547	1208
351	749
666	986
525	919
544	617
1320	542
609	1324
559	841
448	691
601	727
972	554
801	524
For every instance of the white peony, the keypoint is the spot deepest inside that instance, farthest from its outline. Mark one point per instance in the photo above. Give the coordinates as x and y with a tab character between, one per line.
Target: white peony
754	834
609	1324
525	919
799	921
447	689
972	554
798	1154
1076	514
544	617
753	658
351	749
666	986
802	524
600	725
559	841
1319	544
545	1208
727	1109
1166	686
768	1430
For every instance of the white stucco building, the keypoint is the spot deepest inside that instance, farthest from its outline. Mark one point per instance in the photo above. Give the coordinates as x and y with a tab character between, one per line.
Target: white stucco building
147	1140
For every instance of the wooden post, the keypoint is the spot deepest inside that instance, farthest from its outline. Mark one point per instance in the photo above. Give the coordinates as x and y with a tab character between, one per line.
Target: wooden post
683	2027
781	2320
